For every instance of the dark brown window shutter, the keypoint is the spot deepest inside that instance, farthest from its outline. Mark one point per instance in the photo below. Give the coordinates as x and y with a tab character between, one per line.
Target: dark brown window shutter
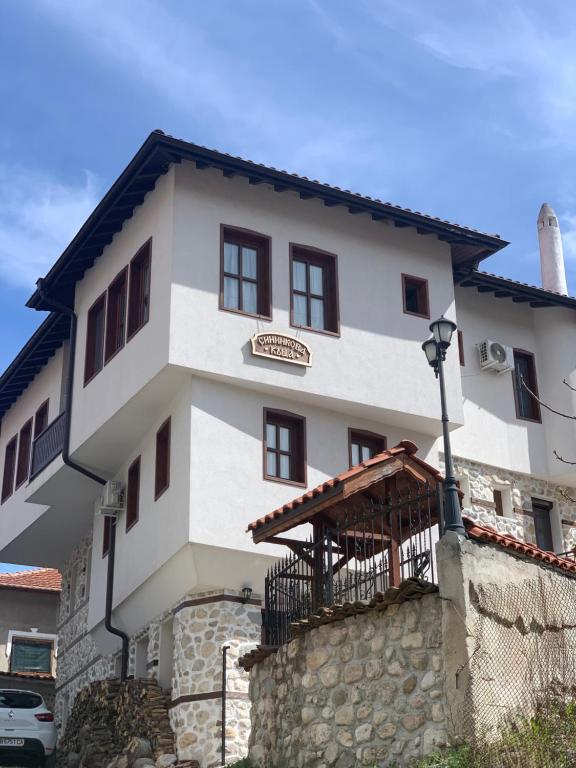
9	468
133	494
23	467
139	295
162	478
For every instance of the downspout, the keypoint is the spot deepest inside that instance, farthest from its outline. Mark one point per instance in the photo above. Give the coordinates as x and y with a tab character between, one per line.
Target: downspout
64	310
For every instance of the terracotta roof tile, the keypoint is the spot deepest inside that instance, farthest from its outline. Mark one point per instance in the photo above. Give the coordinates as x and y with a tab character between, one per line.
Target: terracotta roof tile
39	579
485	533
404	447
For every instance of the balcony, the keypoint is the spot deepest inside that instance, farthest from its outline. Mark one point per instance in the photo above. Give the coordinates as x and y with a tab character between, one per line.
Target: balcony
48	445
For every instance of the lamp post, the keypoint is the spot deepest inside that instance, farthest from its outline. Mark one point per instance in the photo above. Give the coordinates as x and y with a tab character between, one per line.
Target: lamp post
435	351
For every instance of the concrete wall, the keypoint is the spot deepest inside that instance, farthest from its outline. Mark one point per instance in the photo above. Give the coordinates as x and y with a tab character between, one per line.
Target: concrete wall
509	634
21	610
363	691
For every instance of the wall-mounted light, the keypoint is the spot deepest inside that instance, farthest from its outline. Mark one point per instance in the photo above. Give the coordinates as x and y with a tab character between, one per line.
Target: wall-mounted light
246	594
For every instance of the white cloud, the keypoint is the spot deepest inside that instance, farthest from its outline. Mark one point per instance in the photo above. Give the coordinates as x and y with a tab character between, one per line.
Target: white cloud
178	61
531	45
38	217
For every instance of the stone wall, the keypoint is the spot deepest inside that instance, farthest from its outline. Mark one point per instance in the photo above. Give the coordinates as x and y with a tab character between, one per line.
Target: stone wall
365	690
203	624
483	479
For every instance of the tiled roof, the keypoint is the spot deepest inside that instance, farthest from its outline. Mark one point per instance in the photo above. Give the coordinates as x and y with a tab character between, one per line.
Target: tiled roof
484	533
405	447
519	292
28	676
38	580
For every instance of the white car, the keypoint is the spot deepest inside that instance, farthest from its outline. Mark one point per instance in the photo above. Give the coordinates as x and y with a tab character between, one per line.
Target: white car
27	729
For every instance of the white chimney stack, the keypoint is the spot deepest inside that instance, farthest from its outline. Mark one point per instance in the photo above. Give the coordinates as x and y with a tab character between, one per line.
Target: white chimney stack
551	252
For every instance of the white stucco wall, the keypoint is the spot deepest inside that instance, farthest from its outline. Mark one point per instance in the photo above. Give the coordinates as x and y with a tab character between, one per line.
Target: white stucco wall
15	513
376	364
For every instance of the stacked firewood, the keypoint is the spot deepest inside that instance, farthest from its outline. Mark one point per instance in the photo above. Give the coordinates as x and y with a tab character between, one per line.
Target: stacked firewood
107	717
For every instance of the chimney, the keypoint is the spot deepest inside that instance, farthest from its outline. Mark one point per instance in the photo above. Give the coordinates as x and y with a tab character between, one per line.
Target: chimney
551	252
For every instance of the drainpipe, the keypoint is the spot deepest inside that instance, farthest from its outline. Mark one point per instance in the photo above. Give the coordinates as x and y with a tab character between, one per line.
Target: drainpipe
64	310
225	648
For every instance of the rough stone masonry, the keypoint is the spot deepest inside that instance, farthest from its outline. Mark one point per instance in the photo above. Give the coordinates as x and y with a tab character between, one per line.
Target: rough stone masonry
364	690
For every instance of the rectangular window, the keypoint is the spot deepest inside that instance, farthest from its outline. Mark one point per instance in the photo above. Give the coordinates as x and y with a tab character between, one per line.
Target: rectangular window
9	468
139	299
525	376
314	290
284	447
245	272
107	533
541	511
41	419
116	314
498	502
133	494
363	445
162	478
95	339
24	445
415	296
31	656
461	348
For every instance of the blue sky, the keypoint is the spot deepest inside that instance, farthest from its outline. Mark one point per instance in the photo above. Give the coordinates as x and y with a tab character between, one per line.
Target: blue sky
466	111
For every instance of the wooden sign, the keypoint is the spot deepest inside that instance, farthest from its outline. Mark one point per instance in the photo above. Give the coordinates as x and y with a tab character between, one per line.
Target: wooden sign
280	346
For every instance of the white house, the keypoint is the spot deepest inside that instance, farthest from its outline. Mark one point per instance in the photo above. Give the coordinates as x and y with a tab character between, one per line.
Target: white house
148	370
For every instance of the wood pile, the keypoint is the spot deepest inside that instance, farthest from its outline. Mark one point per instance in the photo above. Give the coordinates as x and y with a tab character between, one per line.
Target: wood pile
107	715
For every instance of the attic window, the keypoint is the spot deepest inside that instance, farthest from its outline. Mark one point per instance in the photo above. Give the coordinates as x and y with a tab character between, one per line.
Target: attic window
415	296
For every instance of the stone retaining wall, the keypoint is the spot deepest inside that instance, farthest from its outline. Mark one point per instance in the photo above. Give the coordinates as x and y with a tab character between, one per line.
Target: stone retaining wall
365	690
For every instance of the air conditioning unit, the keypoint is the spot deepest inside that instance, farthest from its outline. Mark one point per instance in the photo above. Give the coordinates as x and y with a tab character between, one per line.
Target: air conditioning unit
113	496
495	356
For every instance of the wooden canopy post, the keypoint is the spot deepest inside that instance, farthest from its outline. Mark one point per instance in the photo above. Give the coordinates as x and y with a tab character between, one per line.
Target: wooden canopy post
395	543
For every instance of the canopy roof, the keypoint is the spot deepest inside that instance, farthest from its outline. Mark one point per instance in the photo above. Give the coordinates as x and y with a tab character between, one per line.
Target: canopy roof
366	480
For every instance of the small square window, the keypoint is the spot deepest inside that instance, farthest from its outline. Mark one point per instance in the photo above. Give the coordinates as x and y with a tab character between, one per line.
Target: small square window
162	478
314	290
415	296
284	447
363	445
245	272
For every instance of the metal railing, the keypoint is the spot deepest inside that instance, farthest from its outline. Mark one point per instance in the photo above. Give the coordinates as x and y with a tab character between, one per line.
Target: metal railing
364	553
569	555
48	445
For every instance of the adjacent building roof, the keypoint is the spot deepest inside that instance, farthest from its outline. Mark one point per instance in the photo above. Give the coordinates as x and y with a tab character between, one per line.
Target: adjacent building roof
510	543
520	293
160	151
358	478
32	357
37	580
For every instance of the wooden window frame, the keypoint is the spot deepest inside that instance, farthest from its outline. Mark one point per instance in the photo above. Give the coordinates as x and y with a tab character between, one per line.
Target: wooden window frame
135	313
159	490
461	349
116	316
262	244
533	384
133	494
43	406
370	437
422	284
297	424
329	261
12	446
23	461
106	535
90	351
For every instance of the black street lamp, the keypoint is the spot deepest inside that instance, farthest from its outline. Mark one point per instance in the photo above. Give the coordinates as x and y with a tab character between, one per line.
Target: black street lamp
435	350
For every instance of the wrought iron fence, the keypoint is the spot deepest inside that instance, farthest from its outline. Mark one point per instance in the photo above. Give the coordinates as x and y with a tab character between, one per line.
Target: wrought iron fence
367	550
48	445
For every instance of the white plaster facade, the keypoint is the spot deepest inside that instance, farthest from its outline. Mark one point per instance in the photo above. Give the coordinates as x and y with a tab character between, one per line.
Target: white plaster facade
192	362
